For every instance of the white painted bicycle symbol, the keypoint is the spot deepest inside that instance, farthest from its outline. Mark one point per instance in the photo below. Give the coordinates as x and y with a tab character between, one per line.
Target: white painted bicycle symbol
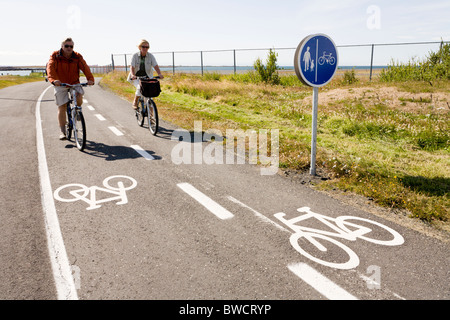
328	58
75	191
343	229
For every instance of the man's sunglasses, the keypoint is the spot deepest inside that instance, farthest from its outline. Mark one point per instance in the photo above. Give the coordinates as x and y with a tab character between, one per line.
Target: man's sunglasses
68	46
145	47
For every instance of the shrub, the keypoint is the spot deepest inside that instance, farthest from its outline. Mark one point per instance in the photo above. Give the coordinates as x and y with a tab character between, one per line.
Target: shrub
349	77
268	72
436	66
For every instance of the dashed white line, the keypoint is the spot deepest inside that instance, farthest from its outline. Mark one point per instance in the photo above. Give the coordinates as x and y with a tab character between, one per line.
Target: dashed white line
205	201
62	272
100	117
142	152
90	107
259	215
116	131
319	282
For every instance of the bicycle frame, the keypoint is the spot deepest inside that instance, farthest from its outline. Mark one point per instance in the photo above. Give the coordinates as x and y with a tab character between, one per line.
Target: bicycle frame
144	101
340	233
72	106
148	110
340	227
337	224
73	95
309	233
75	115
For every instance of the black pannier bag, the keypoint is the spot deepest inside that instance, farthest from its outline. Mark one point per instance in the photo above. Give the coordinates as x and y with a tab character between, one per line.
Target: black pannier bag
150	87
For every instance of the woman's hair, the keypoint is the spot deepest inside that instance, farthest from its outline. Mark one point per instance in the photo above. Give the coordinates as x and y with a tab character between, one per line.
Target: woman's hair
143	41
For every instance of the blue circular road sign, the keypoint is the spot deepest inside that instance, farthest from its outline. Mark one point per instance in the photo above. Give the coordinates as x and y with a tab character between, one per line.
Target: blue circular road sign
316	60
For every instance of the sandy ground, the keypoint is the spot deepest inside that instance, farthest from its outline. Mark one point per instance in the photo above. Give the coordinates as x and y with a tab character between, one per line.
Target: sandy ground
391	97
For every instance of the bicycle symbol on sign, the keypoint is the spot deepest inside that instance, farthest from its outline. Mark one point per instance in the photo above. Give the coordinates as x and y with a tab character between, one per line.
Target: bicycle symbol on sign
343	229
328	58
75	191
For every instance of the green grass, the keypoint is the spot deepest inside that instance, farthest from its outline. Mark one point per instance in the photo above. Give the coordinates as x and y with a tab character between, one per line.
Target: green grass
7	81
397	157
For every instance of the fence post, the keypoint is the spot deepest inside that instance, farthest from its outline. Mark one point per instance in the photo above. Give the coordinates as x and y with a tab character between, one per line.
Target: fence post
173	63
126	65
371	63
201	61
112	60
234	58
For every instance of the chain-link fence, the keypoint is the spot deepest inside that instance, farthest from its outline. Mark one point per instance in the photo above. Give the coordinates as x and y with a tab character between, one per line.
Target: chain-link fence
368	57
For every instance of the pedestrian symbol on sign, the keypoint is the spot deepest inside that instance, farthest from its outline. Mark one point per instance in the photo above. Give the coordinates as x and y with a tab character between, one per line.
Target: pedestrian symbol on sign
307	59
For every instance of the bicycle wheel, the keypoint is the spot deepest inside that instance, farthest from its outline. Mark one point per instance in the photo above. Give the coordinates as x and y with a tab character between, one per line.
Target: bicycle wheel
153	120
380	230
332	61
140	113
79	130
350	262
69	125
321	60
72	192
129	184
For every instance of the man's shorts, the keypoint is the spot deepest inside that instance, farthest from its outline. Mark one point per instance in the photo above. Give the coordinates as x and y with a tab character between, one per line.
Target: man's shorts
62	94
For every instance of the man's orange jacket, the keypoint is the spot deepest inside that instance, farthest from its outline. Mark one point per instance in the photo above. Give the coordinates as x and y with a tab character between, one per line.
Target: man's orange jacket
67	70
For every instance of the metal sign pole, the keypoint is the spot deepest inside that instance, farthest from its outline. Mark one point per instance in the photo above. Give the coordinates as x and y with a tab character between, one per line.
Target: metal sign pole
315	63
312	170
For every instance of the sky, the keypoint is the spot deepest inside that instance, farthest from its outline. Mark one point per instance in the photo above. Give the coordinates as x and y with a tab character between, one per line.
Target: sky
31	30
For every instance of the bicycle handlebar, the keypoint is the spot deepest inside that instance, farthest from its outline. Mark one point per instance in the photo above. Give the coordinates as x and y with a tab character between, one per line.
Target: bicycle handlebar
147	77
85	84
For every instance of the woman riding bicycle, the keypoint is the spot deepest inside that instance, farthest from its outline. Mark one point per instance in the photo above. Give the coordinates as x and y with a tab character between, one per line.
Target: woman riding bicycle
142	65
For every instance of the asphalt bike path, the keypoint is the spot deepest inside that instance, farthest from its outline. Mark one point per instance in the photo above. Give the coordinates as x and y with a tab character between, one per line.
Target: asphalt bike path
135	225
25	271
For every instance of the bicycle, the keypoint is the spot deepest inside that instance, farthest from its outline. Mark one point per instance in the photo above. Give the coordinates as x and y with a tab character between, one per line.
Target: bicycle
147	108
343	229
75	117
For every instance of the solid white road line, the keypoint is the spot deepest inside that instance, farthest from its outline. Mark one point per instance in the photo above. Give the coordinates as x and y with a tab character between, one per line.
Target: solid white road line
116	131
205	201
319	282
142	152
100	117
62	272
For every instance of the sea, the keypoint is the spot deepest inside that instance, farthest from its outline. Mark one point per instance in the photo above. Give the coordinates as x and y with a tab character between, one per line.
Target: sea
15	73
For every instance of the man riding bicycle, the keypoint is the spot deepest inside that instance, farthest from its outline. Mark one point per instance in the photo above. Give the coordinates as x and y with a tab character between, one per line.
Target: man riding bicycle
64	67
142	65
